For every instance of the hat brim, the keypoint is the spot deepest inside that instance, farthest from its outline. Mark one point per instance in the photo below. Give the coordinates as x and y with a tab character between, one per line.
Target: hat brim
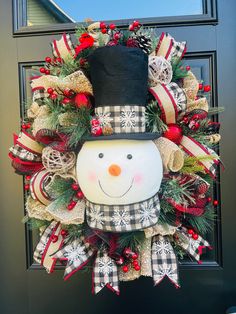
126	136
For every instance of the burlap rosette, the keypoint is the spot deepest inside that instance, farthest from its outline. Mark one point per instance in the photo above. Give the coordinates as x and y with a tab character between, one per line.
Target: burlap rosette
172	156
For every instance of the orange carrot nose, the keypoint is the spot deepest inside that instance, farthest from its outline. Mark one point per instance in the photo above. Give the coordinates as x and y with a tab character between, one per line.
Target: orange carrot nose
114	170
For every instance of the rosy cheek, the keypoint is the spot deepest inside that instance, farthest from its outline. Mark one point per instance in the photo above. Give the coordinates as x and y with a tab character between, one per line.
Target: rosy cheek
92	177
138	178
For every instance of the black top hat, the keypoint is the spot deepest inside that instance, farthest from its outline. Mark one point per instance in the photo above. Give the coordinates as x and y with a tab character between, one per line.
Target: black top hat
119	77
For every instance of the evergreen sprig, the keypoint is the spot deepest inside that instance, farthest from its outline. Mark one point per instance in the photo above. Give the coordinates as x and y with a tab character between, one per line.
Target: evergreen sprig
153	120
179	70
131	239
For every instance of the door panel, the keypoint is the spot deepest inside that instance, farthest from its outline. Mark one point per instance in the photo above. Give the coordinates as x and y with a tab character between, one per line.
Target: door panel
206	288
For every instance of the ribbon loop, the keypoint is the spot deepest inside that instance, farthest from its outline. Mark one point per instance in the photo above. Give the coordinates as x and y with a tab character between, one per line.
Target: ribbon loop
164	261
63	48
169	48
105	273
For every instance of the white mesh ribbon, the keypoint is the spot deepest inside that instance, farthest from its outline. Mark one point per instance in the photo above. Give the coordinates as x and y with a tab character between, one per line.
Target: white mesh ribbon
164	261
105	273
159	70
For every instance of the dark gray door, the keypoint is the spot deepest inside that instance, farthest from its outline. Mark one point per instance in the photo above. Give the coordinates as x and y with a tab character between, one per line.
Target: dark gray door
206	288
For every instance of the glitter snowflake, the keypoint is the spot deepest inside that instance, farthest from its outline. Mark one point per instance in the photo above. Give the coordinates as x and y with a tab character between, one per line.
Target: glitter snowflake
166	270
128	118
104	118
73	253
121	217
96	216
161	247
105	265
147	213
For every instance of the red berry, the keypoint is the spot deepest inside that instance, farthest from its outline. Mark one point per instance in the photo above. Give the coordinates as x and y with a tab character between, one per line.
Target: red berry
215	202
103	30
200	86
54	238
75	186
188	68
190	231
70	207
185	120
48	59
73	203
196	98
68	92
64	232
127	252
53	96
97	131
27	187
47	72
135	263
195	236
125	268
66	100
134	256
82	61
209	199
50	90
131	27
28	125
59	60
207	88
137	267
102	25
136	24
95	122
80	195
28	177
112	26
24	126
42	70
117	36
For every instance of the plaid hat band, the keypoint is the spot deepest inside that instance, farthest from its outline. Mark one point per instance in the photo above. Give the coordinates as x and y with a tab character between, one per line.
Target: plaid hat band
123	218
122	119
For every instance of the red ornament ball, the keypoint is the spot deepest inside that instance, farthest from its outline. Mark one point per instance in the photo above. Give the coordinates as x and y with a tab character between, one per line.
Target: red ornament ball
174	133
195	236
82	100
48	60
207	88
125	268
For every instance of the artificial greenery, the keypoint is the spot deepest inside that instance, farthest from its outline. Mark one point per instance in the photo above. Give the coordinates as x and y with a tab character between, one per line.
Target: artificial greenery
153	121
131	239
179	70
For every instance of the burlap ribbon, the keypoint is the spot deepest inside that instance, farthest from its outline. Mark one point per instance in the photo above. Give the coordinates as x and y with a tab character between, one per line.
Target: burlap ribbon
63	48
169	48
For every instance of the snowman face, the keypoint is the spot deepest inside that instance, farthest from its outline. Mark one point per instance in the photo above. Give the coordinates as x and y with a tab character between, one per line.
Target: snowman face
119	172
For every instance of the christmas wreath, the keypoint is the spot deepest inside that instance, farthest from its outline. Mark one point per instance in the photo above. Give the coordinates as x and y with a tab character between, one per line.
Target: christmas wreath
116	149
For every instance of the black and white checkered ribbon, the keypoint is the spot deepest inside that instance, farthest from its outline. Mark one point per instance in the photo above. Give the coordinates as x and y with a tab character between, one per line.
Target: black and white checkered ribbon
122	119
77	255
190	245
164	261
169	48
105	273
24	154
123	218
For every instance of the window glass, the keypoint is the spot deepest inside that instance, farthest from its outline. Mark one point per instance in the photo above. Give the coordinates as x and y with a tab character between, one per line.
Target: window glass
43	12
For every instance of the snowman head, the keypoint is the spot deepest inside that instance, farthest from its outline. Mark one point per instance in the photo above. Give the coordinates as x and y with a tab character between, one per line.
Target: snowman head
119	172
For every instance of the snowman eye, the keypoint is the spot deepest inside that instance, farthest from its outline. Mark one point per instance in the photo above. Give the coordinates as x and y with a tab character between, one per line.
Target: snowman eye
100	155
129	156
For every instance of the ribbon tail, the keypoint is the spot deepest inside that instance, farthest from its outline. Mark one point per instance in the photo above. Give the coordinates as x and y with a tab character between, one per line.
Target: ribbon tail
105	273
63	48
47	246
193	247
77	254
164	261
168	48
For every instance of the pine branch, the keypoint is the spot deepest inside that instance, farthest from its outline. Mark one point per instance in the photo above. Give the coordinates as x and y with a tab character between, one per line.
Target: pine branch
153	120
192	165
215	110
179	70
203	224
69	66
34	223
131	239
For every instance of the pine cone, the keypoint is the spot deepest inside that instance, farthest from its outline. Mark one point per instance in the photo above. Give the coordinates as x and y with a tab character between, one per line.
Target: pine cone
144	42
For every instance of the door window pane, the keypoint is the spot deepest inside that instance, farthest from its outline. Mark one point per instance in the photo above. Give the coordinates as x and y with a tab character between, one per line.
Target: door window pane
43	12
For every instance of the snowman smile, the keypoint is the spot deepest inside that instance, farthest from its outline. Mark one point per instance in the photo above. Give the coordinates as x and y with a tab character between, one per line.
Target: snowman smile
116	196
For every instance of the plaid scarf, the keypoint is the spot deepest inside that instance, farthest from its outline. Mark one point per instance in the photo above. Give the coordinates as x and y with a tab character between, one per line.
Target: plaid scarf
123	218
